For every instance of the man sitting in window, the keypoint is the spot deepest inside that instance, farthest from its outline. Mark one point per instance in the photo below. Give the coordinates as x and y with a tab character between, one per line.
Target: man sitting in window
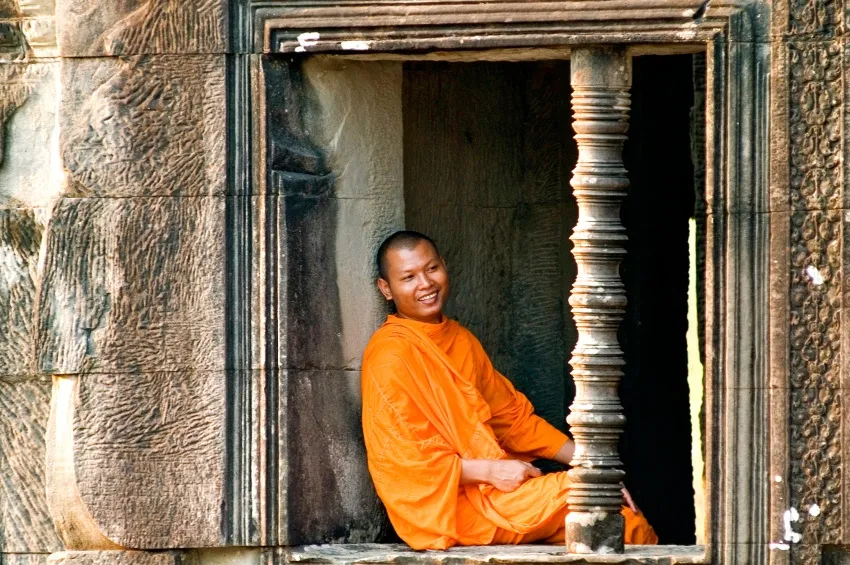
449	439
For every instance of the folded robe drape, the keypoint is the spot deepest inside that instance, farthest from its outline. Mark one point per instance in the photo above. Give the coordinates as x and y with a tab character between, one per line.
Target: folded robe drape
431	397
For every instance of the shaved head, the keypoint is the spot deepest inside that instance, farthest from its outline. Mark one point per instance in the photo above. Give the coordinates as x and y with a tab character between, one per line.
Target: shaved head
405	239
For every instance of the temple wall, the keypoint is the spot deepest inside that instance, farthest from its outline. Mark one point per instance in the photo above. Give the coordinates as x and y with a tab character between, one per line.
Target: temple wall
112	199
809	280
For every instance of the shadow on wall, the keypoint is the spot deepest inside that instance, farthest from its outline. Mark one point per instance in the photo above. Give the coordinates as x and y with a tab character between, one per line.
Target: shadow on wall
339	204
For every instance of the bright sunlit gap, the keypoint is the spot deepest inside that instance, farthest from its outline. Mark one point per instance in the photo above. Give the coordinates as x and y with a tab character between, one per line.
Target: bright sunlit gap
695	386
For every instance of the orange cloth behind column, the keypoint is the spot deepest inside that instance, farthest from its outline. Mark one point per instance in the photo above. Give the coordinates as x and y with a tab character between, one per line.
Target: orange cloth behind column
431	397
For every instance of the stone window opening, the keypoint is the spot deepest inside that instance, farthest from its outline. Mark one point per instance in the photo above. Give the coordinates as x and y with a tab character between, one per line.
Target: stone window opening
197	290
479	155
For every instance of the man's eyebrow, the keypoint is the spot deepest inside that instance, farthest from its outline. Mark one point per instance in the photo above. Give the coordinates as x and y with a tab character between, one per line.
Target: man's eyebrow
412	269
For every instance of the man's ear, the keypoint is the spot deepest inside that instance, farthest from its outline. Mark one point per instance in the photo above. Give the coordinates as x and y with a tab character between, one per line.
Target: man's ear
384	287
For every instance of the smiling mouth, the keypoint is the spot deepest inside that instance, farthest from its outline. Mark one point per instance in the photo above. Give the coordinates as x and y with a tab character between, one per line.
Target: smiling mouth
429	297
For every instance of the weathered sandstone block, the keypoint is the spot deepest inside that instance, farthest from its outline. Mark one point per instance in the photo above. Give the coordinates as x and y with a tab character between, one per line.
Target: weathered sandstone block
331	495
20	238
25	524
463	142
23	558
27	30
143	126
137	27
28	158
138	460
332	277
356	117
122	558
133	285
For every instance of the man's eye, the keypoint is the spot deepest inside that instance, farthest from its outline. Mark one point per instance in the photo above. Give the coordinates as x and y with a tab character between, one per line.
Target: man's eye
433	268
407	278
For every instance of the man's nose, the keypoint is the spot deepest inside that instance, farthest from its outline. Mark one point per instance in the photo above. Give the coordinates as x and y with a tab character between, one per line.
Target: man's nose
425	281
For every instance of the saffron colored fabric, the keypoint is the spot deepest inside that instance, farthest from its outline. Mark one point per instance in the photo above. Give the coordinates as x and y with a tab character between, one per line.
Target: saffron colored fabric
431	397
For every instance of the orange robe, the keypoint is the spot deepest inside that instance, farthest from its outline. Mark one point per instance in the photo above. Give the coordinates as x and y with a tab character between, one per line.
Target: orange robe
431	397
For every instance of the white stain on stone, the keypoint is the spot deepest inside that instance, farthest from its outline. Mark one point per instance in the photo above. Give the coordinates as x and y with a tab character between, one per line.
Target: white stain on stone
307	39
814	275
686	34
586	519
814	510
777	478
689	13
354	45
791	515
780	546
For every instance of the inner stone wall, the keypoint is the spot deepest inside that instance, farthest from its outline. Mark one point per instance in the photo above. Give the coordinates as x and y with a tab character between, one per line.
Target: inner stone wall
352	120
484	165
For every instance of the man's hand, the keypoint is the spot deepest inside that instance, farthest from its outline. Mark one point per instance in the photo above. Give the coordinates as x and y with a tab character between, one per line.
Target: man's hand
629	502
507	475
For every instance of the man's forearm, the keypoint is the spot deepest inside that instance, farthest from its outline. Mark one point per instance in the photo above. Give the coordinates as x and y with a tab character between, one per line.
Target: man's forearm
475	471
565	454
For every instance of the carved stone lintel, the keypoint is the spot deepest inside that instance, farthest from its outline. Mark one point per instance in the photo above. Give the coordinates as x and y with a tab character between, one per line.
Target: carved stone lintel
601	77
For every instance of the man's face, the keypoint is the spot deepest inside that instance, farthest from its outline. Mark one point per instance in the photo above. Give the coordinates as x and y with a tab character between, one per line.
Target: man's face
417	281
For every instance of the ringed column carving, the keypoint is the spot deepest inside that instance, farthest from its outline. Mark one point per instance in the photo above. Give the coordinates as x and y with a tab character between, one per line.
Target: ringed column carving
601	77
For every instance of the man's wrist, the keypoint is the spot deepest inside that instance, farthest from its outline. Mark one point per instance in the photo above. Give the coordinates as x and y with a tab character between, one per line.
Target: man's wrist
487	472
477	471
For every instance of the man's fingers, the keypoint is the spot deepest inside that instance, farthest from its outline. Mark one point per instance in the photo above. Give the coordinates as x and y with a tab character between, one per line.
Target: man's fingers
534	471
629	502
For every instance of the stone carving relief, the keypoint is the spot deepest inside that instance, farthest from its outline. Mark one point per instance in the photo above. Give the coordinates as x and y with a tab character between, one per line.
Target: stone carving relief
27	29
815	17
25	524
815	127
130	27
20	238
178	104
17	80
16	84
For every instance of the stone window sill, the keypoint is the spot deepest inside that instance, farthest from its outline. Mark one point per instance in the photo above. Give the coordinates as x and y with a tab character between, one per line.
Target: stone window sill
355	554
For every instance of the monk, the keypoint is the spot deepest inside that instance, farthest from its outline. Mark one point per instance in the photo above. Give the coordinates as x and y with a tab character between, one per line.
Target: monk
449	439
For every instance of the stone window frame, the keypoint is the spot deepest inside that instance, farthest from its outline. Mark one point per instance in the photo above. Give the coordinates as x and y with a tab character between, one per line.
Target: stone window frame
746	442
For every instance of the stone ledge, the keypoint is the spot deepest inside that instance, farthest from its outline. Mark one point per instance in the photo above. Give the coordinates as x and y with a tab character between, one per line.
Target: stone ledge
351	554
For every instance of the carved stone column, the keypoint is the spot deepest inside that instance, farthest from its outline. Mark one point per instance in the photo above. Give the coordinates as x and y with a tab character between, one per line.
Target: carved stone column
601	77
